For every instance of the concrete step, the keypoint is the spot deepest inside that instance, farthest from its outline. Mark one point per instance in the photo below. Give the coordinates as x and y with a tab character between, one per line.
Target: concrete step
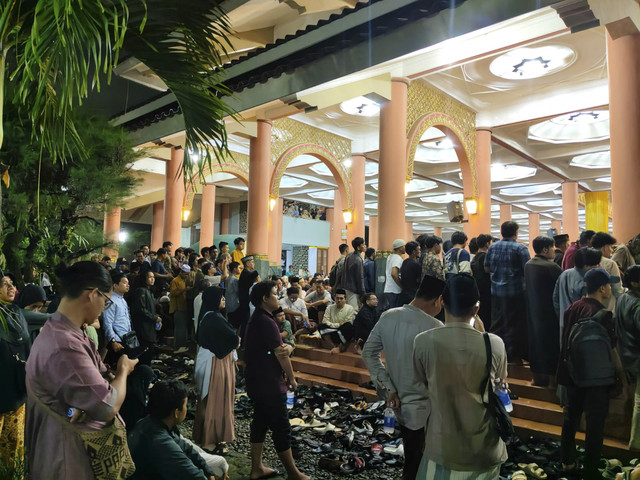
323	355
524	389
335	371
311	380
537	411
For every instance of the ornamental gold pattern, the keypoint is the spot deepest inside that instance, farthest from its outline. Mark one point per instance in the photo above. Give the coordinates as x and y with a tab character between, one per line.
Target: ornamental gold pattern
428	107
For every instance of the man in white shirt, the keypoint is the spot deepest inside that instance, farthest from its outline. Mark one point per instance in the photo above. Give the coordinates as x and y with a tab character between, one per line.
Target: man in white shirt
337	322
392	285
461	441
295	308
394	333
317	300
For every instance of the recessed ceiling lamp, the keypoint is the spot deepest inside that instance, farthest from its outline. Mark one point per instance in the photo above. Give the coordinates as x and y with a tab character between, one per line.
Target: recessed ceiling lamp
324	194
360	106
446	198
370	169
301	160
592	160
416	185
432	153
586	126
532	62
423	213
321	169
508	173
604	179
546	203
291	182
527	190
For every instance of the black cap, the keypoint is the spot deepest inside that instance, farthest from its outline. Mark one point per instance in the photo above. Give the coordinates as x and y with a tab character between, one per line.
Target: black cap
246	259
460	293
561	237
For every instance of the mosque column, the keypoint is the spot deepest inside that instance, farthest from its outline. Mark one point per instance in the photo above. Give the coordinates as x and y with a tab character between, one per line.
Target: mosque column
437	231
534	229
570	223
336	226
505	212
111	230
356	227
259	178
173	198
623	61
392	172
408	231
224	219
557	224
373	232
597	211
207	214
275	233
481	221
156	226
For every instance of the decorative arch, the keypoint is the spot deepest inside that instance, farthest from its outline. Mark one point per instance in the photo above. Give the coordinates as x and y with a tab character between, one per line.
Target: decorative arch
233	166
335	166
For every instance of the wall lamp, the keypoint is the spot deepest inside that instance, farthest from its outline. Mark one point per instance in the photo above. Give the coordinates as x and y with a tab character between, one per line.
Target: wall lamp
472	205
185	214
347	215
272	203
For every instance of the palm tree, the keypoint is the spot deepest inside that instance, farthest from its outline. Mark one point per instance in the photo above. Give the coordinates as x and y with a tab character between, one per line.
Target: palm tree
56	51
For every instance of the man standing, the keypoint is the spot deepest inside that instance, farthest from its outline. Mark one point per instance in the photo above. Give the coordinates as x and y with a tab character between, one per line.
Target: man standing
353	273
159	271
238	254
431	263
116	320
169	262
604	242
450	362
570	285
337	322
394	334
540	275
505	260
457	259
392	284
369	266
594	398
410	273
336	273
561	243
570	253
482	278
179	308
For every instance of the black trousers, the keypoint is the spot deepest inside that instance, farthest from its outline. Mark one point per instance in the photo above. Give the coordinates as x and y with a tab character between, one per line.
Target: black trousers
413	441
343	336
509	322
270	413
594	402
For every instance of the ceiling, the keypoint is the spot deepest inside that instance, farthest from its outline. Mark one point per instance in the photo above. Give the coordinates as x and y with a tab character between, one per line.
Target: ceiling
509	107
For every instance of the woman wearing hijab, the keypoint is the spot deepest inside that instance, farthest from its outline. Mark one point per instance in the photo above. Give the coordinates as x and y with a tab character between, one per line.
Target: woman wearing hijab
14	350
215	374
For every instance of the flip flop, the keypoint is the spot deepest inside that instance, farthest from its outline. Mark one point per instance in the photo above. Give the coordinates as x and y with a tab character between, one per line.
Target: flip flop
518	475
273	474
534	470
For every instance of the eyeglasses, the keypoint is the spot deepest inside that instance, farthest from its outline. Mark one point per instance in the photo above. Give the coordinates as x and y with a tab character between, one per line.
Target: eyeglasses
107	301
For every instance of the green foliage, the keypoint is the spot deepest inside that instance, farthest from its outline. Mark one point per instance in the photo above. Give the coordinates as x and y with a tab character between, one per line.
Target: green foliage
50	208
15	470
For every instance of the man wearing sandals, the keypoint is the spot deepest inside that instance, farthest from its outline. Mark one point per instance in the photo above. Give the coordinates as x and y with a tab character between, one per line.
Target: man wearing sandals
462	442
394	333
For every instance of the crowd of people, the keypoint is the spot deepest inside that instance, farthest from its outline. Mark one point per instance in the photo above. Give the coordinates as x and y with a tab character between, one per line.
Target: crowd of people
82	401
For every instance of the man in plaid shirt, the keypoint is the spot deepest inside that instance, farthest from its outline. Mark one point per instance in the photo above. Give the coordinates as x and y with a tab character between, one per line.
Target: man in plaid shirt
505	261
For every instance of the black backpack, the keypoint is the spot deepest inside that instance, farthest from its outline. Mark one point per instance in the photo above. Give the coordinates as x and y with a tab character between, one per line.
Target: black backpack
336	272
589	352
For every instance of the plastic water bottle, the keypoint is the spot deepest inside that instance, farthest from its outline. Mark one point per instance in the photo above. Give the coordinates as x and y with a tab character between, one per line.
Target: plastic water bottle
502	393
290	399
158	326
71	412
389	420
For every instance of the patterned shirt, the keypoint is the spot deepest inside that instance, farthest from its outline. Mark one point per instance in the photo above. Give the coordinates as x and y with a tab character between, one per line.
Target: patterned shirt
506	260
432	266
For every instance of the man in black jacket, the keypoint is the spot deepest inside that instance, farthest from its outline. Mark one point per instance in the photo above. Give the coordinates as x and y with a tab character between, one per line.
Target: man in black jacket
353	273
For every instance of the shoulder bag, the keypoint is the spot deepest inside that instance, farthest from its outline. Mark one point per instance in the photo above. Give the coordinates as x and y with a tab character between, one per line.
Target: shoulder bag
501	419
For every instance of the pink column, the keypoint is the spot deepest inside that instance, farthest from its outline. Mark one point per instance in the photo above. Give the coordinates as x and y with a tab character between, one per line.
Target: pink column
224	219
481	222
156	226
505	212
275	233
336	219
373	232
557	224
173	198
356	227
259	178
623	60
534	230
207	215
570	210
392	168
111	230
408	231
437	231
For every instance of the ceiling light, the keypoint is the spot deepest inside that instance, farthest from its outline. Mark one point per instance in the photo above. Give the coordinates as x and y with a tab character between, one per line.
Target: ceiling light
301	160
526	190
372	205
430	153
420	185
446	198
532	62
324	194
370	169
347	162
291	182
604	179
508	173
321	169
360	106
592	160
546	203
587	126
423	213
122	236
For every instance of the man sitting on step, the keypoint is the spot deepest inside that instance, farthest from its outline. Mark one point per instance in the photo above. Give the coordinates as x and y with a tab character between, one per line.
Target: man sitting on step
337	323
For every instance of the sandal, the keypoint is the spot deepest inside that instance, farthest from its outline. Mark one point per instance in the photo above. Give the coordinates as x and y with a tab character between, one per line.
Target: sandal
518	475
534	470
330	463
